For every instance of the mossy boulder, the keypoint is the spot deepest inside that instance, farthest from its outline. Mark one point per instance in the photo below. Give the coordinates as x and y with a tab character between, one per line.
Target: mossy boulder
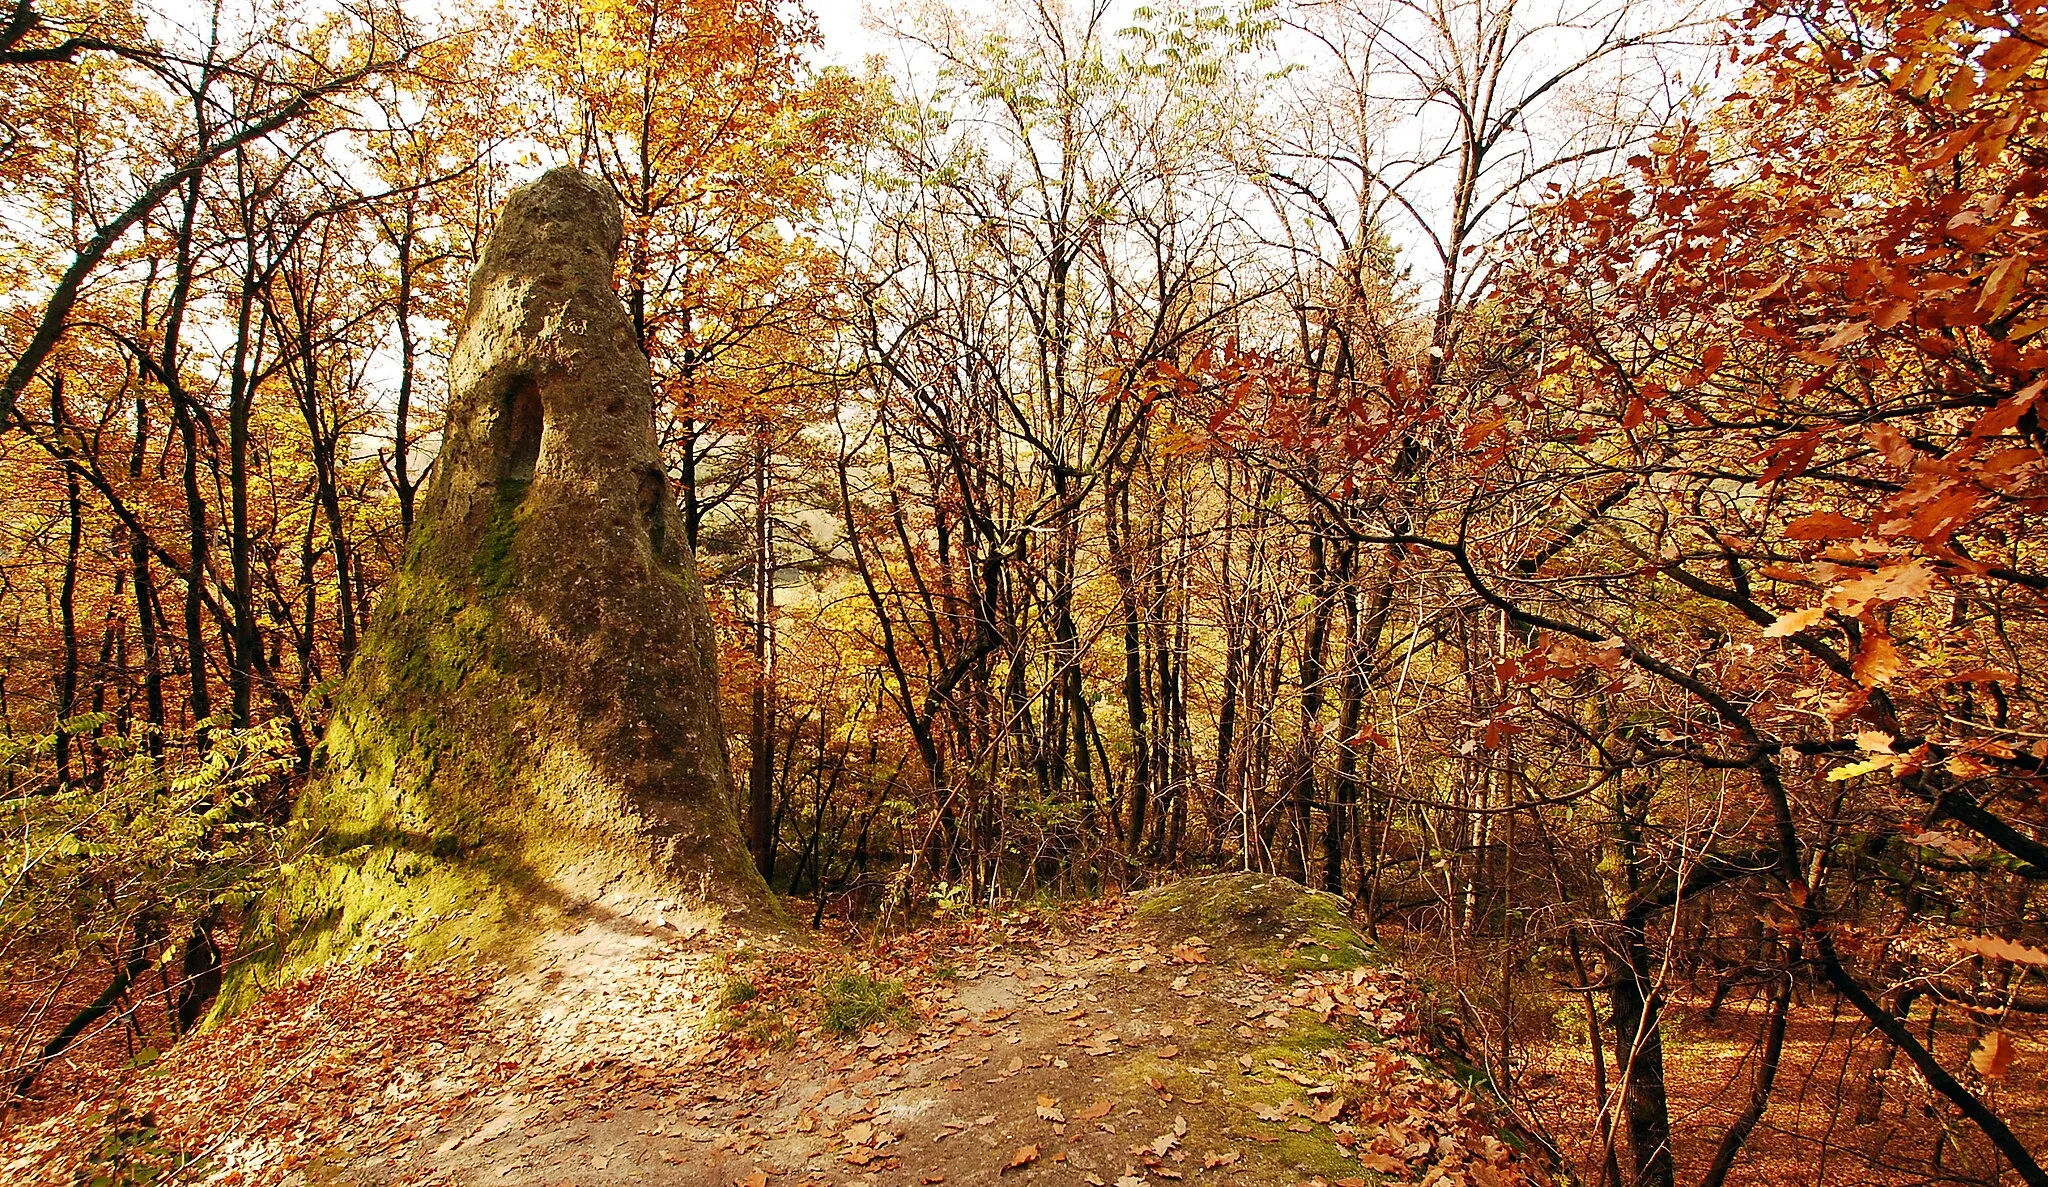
1261	919
531	728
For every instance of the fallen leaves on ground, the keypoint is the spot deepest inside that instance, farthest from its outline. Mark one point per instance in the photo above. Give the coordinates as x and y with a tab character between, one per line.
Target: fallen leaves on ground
601	1066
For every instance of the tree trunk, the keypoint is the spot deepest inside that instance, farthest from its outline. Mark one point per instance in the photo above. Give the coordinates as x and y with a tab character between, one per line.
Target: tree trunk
761	727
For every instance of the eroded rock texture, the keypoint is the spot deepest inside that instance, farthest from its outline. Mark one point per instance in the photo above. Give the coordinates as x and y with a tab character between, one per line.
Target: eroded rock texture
532	725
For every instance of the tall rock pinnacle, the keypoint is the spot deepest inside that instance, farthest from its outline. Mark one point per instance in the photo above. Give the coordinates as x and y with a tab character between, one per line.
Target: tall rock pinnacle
532	723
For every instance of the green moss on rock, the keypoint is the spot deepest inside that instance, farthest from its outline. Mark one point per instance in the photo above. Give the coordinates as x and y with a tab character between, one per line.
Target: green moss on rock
530	728
1261	919
1275	1153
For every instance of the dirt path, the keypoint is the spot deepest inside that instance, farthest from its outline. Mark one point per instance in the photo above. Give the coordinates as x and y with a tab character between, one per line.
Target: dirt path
1094	1047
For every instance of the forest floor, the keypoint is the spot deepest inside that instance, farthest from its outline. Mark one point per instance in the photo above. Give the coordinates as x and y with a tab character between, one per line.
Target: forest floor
1222	1032
1823	1126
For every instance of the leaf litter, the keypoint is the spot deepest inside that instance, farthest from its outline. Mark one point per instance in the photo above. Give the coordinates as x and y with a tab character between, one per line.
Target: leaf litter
1035	1047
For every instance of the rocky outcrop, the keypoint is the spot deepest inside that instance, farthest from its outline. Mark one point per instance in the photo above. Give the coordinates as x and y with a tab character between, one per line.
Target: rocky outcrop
532	724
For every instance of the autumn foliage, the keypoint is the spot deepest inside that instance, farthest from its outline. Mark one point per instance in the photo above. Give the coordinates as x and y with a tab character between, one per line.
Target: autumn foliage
1596	539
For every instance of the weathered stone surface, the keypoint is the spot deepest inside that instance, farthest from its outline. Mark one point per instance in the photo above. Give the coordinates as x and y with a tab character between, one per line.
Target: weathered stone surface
532	724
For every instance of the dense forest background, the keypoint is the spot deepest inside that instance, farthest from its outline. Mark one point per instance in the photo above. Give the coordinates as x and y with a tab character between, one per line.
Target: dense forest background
1556	474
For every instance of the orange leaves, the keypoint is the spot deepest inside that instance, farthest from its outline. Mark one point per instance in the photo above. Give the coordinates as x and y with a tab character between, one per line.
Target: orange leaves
1992	1055
1892	583
1930	510
1788	457
1476	434
2002	282
1497	731
1021	1157
1877	661
1794	621
2007	59
1849	332
1824	525
2007	413
1892	444
2011	951
1555	657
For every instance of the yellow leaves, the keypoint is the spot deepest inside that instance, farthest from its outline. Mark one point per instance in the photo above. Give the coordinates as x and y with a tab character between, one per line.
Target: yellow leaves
1048	1110
2007	59
1962	90
722	142
1794	621
1878	745
1855	769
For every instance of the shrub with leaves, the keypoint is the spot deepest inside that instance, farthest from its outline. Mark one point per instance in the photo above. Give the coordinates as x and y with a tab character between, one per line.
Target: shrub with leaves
130	870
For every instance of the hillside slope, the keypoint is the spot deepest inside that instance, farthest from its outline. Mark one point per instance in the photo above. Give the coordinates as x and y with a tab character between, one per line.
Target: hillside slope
1226	1030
